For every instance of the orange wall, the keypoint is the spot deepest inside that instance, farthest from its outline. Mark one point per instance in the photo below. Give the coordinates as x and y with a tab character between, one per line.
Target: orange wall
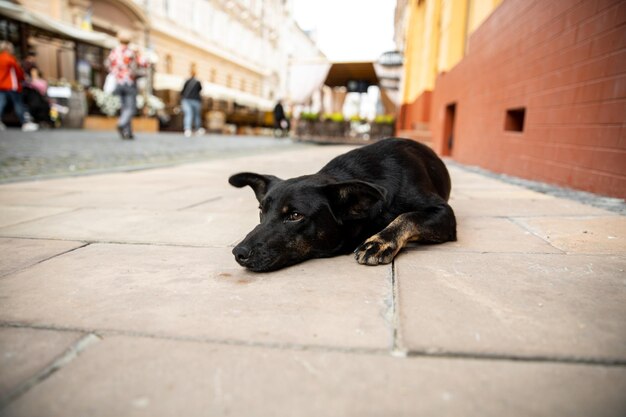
565	62
416	112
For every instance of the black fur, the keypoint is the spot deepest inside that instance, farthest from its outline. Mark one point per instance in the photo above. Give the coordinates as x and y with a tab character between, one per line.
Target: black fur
356	196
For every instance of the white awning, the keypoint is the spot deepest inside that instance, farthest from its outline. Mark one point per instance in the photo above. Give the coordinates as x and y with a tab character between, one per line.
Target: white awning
215	91
41	21
305	78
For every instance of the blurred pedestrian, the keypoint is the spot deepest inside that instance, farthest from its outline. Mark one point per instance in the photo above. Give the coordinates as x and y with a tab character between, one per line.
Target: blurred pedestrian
35	97
30	64
38	82
191	103
11	78
126	64
281	121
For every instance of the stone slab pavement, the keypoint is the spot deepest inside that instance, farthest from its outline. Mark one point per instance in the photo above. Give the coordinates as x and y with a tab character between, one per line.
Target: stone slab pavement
119	297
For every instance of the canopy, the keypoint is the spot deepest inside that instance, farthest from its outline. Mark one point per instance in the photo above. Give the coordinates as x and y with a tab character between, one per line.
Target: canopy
41	21
343	72
305	78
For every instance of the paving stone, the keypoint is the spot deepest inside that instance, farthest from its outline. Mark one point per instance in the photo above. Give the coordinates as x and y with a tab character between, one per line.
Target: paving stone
30	196
121	190
139	226
10	215
463	179
492	234
516	193
517	207
25	352
21	253
147	377
581	235
516	304
134	199
240	201
202	293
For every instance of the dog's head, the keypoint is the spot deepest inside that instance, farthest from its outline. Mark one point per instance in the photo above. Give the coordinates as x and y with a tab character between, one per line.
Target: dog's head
301	218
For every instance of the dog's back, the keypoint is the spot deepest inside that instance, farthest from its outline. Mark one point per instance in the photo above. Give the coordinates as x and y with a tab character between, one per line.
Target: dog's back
405	168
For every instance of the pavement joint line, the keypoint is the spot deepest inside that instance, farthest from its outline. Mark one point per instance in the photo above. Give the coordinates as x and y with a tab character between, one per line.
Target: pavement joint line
64	359
102	333
528	358
521	225
15	271
230	245
39	218
396	348
113	242
410	353
209	200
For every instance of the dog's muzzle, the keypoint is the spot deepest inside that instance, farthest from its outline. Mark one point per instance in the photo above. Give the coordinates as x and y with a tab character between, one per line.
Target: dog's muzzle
242	255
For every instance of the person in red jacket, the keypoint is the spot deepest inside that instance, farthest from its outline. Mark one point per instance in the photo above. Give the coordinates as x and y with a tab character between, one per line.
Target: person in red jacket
11	77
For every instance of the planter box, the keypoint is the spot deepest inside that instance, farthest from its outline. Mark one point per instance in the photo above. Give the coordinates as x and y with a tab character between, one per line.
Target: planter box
381	130
140	124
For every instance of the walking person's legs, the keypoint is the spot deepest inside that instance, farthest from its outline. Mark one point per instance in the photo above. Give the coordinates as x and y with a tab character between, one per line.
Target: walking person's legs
187	116
3	103
128	96
18	108
197	119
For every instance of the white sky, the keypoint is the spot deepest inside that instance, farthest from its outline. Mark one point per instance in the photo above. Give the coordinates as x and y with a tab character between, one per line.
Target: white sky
349	30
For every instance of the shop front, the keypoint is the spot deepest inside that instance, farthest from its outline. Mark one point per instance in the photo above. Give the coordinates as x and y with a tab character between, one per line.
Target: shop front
69	59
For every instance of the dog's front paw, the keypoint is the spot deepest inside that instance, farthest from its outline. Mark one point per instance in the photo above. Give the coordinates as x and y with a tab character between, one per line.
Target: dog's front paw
375	251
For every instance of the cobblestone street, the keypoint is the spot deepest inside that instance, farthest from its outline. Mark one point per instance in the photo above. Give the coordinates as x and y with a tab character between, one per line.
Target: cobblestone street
49	153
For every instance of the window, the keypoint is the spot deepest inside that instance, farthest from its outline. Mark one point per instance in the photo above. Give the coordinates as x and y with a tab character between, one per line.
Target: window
514	121
448	128
169	64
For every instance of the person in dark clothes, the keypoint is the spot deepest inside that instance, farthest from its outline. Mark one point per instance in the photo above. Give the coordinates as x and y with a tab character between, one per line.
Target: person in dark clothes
192	105
30	63
280	119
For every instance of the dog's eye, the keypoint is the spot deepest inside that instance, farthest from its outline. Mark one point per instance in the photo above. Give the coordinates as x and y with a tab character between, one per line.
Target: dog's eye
294	216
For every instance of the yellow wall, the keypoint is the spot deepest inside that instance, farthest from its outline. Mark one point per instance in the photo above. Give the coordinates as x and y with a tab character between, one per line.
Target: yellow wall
452	38
436	37
479	11
421	48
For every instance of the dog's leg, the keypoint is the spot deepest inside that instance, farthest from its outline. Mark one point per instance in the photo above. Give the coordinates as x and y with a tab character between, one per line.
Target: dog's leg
432	224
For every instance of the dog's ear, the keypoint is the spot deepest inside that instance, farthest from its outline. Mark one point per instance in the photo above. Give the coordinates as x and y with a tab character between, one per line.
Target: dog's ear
260	184
353	200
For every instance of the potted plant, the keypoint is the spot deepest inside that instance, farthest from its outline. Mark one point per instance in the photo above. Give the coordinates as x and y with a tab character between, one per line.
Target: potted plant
104	107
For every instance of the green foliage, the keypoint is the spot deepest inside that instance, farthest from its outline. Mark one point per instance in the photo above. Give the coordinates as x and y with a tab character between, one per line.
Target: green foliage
309	116
387	119
333	117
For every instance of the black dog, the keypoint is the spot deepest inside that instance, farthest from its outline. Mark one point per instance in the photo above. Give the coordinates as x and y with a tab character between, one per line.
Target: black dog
391	192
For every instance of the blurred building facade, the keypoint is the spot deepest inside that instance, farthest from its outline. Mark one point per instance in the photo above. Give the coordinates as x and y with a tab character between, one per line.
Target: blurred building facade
241	49
530	88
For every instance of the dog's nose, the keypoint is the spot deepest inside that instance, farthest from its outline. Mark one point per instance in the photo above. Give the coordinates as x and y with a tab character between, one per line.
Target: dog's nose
242	254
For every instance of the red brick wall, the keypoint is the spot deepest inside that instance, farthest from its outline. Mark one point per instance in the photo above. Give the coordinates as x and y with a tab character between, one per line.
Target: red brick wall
563	61
416	112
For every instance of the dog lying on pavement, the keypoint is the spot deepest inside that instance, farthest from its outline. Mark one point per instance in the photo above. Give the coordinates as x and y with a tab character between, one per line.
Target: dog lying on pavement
371	201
